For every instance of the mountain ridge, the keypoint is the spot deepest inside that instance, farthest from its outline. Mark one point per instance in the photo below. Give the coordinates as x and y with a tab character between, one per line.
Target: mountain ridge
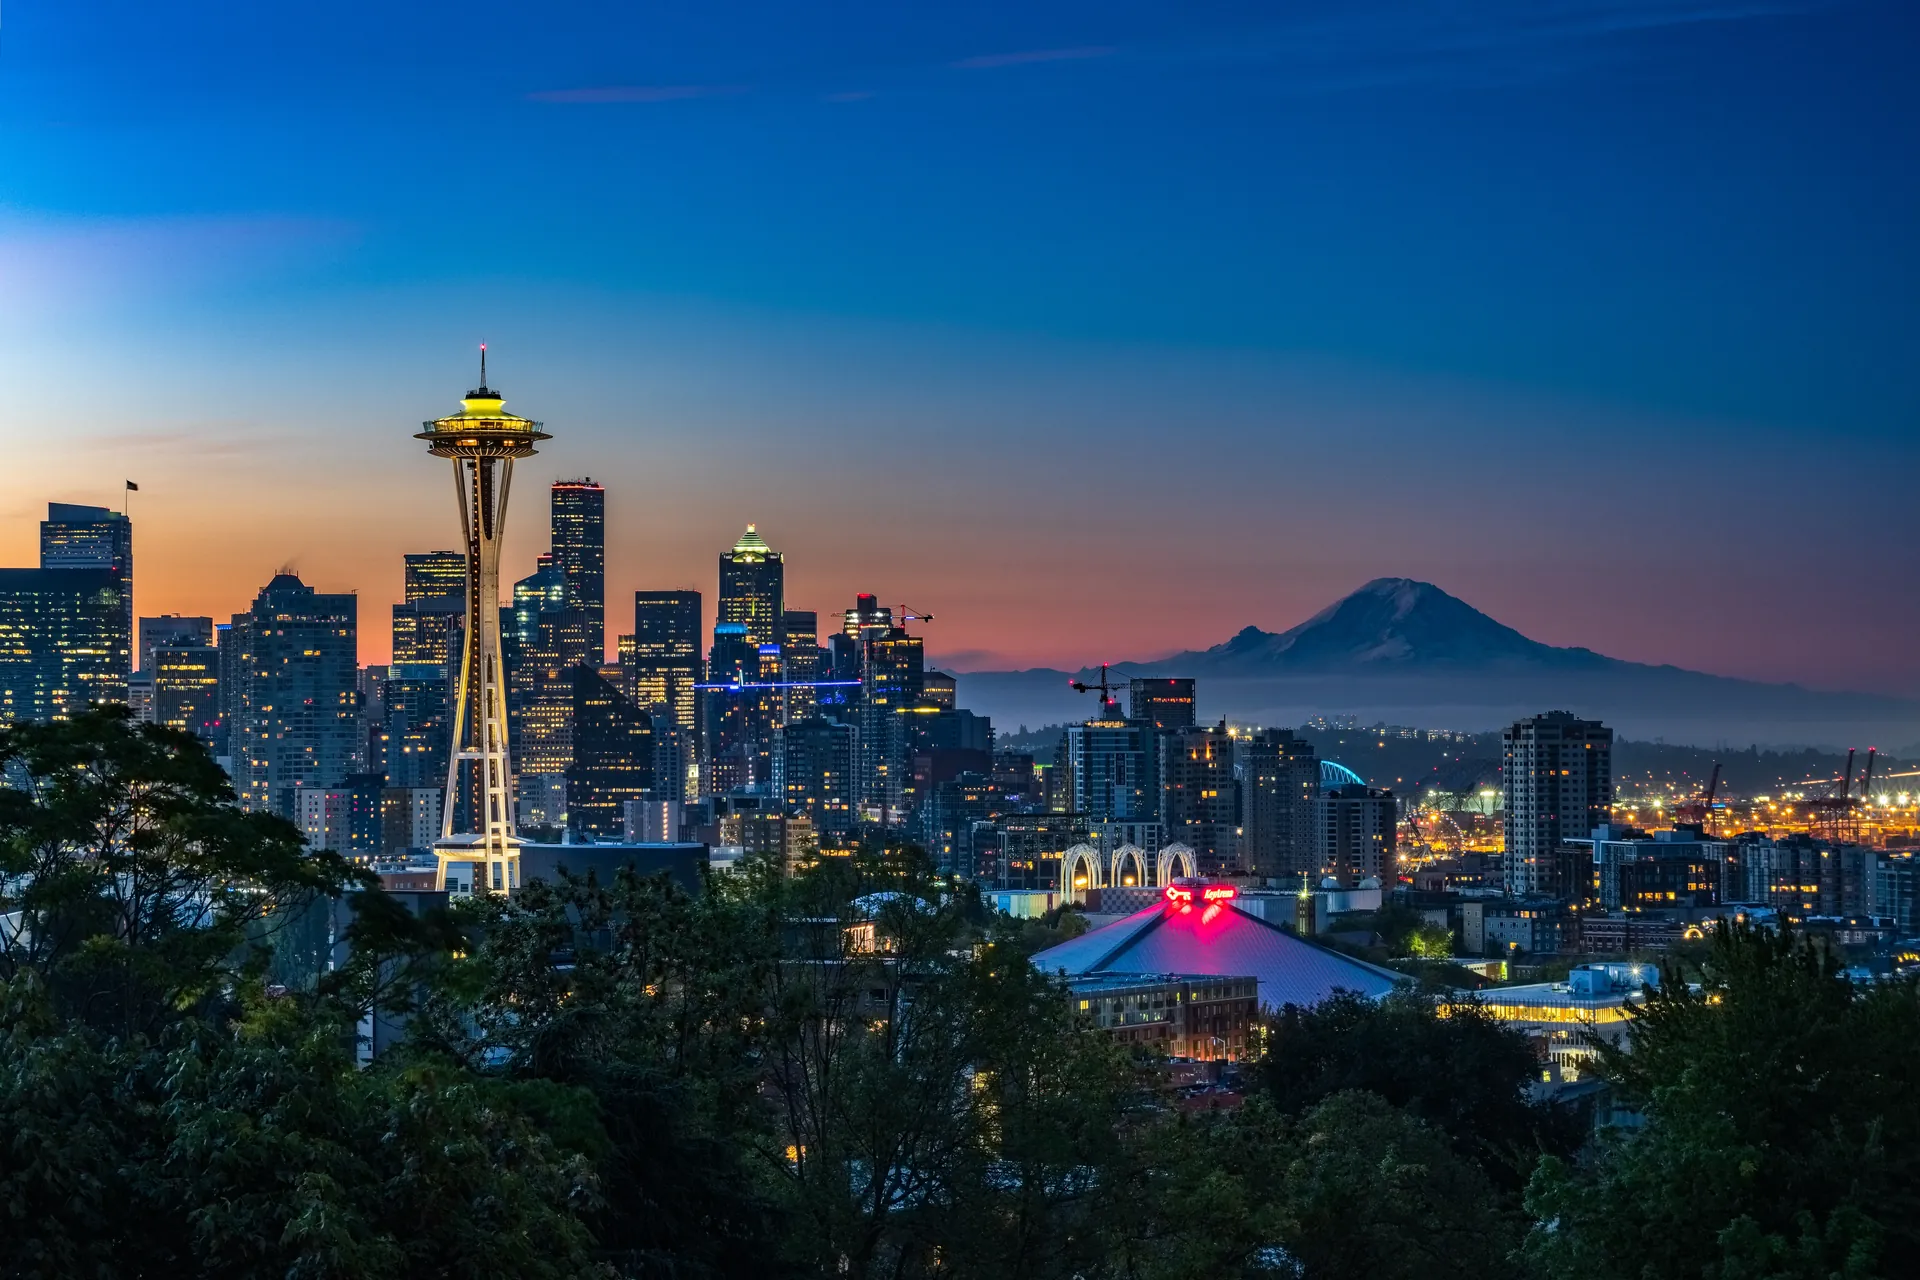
1409	652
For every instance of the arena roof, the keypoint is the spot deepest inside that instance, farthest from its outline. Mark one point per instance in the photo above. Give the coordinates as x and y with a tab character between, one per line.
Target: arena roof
1195	935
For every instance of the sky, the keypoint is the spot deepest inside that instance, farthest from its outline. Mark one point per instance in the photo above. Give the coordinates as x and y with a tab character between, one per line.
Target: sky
1097	331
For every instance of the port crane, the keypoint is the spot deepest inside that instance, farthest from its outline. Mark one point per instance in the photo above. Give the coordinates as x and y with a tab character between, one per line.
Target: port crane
1701	810
1836	814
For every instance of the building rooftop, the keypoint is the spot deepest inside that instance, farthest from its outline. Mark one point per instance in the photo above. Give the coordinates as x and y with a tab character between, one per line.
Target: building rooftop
1197	929
752	544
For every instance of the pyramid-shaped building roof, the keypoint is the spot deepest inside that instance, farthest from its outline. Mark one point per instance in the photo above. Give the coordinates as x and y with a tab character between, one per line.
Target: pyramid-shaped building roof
1194	936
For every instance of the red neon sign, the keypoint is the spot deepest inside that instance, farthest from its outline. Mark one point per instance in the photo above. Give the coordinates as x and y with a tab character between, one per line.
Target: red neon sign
1183	894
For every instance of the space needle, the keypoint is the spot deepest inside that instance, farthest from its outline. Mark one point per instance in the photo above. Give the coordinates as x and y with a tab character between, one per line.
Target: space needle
483	440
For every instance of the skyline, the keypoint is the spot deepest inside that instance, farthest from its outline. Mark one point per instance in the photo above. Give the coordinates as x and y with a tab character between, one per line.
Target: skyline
1634	278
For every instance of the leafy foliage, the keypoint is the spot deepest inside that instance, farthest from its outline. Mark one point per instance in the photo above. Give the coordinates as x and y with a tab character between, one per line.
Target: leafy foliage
1464	1074
133	879
159	1115
1781	1132
647	1005
850	1070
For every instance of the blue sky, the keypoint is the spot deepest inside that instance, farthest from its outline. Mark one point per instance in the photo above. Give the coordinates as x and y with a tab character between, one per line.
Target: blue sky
1599	313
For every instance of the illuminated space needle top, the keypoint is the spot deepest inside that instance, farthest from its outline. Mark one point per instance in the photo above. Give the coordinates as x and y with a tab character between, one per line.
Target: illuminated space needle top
482	428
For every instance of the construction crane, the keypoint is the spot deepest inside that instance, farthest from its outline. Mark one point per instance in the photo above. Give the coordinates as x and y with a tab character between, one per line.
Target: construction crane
1107	699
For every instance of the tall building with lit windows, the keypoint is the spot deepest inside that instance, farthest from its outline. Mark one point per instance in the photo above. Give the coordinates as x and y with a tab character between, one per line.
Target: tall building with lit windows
891	687
428	623
81	537
299	722
186	690
1110	767
1198	802
814	774
170	628
579	520
1163	702
753	588
613	758
435	575
1356	831
1556	777
63	642
663	658
418	704
800	654
1279	777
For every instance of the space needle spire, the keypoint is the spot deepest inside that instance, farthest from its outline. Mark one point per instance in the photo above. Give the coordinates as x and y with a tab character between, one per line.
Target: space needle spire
483	441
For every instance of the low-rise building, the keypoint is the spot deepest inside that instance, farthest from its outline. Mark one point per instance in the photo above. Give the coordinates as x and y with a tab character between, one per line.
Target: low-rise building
1635	870
1506	926
1559	1017
1182	1015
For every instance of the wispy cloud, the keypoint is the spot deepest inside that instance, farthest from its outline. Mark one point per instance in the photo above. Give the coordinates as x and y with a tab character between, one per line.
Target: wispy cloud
850	95
637	93
1077	53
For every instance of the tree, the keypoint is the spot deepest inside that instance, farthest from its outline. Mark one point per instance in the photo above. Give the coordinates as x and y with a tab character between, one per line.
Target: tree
135	878
1430	942
649	1006
1352	1187
262	1150
1464	1073
161	1115
939	1109
1781	1133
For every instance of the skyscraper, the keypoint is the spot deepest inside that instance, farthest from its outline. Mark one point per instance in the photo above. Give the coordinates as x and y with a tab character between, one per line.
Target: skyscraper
1356	834
800	654
298	724
426	625
1197	799
753	588
1111	769
234	640
1162	703
815	775
890	691
542	591
79	537
1279	778
170	628
740	720
186	690
664	660
418	704
435	575
63	642
550	637
1557	778
482	441
579	520
613	758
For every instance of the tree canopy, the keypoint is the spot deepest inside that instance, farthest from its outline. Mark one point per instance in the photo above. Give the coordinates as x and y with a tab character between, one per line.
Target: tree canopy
847	1069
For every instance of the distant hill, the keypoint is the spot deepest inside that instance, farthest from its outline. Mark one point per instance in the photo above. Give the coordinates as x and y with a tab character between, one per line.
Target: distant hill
1406	652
